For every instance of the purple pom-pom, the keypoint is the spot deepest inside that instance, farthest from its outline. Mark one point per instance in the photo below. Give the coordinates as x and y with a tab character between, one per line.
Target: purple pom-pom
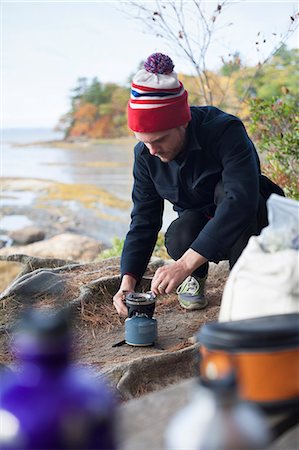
159	63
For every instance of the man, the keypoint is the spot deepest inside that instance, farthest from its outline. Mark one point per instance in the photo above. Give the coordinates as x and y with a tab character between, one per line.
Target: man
201	160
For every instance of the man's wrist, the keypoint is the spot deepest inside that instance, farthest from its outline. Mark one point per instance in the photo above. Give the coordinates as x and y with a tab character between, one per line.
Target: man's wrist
128	283
191	260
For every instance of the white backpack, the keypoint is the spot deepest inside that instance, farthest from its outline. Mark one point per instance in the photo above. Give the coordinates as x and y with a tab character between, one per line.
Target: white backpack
265	279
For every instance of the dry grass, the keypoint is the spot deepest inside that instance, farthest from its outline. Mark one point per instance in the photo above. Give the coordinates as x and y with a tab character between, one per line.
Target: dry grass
8	272
99	312
103	315
180	346
9	309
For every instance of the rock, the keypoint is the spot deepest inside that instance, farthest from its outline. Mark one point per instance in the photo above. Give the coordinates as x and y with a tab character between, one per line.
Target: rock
27	235
143	421
5	240
132	379
67	245
219	271
45	283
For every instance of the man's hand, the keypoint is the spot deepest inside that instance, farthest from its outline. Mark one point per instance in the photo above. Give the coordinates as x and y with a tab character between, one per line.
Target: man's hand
169	277
119	304
127	285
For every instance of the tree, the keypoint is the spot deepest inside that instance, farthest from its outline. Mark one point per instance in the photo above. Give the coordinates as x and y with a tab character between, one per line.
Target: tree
176	22
93	93
281	72
78	91
98	110
189	28
86	112
275	126
232	65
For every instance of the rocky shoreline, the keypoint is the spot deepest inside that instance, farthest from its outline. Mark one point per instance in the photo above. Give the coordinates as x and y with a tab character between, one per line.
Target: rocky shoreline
51	222
58	207
48	227
79	186
71	246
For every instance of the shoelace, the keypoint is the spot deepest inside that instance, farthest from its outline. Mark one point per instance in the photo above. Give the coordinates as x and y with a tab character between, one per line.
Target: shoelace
190	286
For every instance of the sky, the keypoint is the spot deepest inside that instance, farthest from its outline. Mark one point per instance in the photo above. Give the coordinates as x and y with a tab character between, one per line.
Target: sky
47	45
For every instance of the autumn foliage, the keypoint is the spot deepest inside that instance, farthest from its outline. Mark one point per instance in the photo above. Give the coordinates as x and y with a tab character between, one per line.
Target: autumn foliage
97	111
102	127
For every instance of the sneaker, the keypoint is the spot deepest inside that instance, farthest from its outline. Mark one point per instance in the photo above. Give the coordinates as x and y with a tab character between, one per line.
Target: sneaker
191	293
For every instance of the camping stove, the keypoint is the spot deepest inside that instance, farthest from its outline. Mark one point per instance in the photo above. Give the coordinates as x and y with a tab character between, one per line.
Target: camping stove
140	327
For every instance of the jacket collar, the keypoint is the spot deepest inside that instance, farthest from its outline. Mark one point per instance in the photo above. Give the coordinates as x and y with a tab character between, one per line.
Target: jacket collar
192	144
192	139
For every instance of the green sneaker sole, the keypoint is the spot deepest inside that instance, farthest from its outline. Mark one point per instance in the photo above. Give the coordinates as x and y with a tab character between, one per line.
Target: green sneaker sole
194	305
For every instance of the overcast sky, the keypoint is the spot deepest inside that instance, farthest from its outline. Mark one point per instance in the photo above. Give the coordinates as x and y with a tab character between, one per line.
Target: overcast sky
47	45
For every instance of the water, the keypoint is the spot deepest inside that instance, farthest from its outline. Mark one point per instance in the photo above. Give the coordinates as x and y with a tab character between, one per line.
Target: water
24	198
89	166
107	166
28	135
15	222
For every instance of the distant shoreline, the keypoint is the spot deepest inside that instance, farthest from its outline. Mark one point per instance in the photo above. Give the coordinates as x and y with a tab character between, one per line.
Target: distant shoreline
72	143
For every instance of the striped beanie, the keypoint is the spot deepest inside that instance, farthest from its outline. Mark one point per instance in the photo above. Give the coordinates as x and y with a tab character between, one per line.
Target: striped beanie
158	99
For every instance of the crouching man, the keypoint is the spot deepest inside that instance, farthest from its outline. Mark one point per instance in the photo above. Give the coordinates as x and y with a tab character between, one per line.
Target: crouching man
202	161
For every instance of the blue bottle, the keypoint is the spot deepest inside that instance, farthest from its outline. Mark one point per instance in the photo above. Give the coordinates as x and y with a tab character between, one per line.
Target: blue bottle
50	403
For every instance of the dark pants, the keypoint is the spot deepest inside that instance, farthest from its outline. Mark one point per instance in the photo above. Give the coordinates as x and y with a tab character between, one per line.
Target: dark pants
184	230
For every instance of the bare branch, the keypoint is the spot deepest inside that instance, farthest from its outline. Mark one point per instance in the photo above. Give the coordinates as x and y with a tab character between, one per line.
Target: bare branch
259	66
190	31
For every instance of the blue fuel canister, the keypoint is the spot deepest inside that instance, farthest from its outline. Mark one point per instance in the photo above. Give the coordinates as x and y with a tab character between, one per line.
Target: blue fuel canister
140	327
140	331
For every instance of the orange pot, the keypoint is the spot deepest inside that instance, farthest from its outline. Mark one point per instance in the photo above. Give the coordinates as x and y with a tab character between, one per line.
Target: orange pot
263	352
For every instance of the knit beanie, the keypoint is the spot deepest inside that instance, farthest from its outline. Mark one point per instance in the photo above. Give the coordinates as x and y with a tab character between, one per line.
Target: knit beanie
158	99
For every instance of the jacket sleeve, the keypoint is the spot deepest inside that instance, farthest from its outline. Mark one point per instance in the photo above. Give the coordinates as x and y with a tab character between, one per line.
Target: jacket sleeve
240	177
146	221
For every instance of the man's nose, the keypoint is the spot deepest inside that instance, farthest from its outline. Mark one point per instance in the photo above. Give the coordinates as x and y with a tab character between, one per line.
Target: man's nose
153	149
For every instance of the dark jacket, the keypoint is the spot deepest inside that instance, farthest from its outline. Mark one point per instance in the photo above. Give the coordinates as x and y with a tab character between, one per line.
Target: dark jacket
218	147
